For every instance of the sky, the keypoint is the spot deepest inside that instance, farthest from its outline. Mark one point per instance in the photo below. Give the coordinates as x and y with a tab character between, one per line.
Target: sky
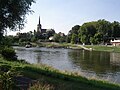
62	15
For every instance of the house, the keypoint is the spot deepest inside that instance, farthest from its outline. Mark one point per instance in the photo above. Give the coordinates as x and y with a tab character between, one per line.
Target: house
115	42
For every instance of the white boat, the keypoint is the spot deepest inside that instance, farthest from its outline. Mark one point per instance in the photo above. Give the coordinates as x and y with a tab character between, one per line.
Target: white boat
27	46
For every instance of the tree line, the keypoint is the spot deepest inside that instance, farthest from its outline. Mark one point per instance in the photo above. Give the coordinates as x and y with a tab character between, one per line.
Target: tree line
95	32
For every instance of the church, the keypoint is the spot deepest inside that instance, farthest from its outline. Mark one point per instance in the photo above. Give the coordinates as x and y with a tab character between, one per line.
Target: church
44	33
39	28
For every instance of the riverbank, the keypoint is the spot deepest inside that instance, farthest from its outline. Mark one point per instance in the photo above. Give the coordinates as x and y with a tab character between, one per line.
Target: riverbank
107	48
57	79
57	45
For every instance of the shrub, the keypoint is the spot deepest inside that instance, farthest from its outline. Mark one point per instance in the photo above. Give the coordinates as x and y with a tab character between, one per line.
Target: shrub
7	80
9	53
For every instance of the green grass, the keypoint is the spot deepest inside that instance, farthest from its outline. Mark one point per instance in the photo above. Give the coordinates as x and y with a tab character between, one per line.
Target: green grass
59	80
104	48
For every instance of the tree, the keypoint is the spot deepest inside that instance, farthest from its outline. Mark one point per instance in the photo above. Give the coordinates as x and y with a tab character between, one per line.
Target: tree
98	38
68	38
62	39
74	30
56	37
74	38
12	14
83	39
8	40
92	40
50	33
104	27
87	30
116	29
95	32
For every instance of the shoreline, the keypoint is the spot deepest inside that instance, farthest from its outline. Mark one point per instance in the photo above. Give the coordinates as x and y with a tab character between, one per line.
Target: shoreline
78	46
35	71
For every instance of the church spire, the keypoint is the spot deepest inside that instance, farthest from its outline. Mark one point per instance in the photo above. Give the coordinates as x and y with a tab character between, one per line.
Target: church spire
39	20
39	26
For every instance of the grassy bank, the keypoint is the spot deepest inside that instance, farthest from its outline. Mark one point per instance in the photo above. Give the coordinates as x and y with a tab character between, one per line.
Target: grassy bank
108	48
104	48
58	80
57	45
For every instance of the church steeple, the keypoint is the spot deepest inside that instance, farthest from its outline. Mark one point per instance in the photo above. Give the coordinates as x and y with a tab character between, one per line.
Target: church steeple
39	26
39	20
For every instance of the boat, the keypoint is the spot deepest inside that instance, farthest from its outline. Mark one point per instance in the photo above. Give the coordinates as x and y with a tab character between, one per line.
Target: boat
28	46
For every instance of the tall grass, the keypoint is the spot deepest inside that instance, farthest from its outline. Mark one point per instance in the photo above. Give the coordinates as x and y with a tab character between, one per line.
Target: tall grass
41	86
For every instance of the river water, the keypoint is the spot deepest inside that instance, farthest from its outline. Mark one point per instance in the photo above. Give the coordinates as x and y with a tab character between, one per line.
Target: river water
91	64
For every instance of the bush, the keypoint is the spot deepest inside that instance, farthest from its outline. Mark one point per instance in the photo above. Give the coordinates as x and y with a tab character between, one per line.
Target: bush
9	53
7	80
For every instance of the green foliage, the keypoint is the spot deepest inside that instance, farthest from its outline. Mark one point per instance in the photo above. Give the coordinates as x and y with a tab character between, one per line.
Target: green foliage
74	38
12	14
7	80
33	39
101	31
7	40
98	38
56	37
50	33
83	39
92	40
9	53
68	38
115	29
62	39
7	75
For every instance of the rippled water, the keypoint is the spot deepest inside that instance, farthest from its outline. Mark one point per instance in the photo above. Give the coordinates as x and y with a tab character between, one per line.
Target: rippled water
91	64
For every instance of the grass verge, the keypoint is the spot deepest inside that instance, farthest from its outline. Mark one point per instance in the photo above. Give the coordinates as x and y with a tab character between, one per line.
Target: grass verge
59	80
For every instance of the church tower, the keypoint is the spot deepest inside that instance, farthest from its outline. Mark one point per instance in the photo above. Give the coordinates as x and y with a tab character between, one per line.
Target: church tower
39	26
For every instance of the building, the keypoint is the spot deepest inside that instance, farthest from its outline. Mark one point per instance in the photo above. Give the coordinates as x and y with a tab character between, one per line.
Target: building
44	33
39	28
115	42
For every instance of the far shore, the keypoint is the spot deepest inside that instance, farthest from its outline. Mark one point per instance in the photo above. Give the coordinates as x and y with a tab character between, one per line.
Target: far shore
107	48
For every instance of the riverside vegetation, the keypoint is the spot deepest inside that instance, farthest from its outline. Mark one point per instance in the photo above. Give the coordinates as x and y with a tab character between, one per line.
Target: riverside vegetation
47	78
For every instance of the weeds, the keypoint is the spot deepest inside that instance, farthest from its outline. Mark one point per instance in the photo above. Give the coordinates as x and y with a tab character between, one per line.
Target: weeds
41	86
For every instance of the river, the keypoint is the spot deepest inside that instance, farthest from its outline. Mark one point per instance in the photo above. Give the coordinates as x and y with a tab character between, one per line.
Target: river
91	64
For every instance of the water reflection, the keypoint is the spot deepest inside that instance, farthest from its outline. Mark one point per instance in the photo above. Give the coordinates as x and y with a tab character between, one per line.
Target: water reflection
99	62
102	65
115	59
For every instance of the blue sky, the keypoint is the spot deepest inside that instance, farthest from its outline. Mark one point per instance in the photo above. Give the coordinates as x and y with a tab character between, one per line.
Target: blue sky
62	15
